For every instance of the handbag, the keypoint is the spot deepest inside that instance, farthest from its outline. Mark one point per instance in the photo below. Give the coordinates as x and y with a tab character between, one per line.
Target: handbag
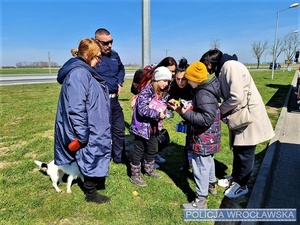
241	118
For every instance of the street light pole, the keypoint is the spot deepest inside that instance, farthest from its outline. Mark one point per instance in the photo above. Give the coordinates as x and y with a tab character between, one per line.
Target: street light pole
294	5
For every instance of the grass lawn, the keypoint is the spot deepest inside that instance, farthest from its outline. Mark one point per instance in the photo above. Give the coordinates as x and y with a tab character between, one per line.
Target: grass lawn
27	196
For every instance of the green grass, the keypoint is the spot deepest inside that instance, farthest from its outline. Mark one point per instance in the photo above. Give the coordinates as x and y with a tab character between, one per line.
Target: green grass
27	196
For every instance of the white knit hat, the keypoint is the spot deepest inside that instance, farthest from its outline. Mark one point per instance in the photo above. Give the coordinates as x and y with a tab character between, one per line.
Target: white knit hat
162	73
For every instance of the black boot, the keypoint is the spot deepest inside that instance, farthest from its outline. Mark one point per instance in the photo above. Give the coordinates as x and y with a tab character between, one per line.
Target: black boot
101	183
91	194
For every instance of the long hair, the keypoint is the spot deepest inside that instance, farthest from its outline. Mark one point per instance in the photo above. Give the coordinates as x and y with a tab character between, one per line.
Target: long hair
147	77
212	57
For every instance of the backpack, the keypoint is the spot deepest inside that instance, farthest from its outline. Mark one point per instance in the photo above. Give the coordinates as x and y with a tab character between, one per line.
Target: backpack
136	80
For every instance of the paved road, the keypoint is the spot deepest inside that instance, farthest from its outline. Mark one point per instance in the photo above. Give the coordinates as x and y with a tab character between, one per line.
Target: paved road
34	79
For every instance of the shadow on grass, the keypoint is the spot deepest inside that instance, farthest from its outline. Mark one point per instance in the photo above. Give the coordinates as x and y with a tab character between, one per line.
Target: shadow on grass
278	98
174	156
241	202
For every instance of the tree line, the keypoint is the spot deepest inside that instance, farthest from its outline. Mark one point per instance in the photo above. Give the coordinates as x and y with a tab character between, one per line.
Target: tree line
40	64
289	45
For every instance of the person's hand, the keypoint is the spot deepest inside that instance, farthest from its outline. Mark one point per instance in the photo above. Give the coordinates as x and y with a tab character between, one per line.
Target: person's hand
181	110
162	115
119	89
172	104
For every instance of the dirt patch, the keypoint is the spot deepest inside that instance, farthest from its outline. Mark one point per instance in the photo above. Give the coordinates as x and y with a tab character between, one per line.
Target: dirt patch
272	110
48	134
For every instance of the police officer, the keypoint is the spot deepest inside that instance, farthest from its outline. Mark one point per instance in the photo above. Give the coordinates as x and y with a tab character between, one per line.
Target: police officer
112	71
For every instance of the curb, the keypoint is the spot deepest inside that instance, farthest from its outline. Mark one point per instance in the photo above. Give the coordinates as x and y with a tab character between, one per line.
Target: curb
259	195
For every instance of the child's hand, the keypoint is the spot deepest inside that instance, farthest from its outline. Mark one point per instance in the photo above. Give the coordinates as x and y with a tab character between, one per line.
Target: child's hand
180	109
162	115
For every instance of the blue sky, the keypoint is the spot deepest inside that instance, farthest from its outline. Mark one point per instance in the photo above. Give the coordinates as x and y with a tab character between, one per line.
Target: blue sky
179	28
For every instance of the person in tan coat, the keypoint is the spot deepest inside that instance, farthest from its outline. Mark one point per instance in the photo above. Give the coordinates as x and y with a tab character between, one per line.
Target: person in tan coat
235	82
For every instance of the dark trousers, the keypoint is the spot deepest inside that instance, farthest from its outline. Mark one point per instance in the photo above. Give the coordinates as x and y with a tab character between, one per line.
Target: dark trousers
117	130
142	145
243	162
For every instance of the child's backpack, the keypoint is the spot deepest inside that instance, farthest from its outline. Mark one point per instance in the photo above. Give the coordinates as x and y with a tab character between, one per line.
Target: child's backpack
136	80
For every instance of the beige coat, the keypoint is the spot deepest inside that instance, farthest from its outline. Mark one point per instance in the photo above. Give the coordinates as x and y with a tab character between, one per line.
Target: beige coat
235	79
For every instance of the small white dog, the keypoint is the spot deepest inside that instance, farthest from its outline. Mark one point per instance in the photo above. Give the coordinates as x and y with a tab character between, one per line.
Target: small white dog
56	173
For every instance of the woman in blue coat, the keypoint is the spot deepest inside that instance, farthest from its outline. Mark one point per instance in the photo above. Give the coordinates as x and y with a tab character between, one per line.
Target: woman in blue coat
82	127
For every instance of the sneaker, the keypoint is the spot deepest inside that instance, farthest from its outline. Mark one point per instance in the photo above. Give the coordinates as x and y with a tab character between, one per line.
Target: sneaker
197	204
235	191
159	159
212	189
156	166
226	182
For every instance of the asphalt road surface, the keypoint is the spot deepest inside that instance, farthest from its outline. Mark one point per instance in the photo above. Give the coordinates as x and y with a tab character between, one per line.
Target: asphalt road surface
34	79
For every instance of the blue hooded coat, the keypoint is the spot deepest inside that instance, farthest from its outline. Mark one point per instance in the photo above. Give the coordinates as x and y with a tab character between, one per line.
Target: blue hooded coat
83	112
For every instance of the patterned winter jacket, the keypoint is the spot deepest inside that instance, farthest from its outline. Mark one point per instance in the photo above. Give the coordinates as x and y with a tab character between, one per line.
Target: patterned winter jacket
143	116
204	132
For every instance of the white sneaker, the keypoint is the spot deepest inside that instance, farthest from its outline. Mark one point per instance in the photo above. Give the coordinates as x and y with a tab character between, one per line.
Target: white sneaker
235	191
225	182
159	159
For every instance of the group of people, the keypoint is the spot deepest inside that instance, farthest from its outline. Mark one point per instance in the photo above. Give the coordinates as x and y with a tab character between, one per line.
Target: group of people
89	114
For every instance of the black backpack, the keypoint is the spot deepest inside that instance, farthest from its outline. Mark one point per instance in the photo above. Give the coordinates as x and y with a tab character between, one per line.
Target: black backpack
136	80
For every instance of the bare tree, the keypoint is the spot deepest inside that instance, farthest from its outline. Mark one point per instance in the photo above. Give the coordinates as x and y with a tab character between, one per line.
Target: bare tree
291	45
279	49
258	49
215	43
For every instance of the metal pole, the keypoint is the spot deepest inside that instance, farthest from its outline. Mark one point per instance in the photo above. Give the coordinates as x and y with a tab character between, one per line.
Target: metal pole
274	48
294	5
49	62
146	59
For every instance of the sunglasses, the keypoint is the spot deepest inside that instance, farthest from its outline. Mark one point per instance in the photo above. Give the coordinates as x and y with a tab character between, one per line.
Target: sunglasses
105	43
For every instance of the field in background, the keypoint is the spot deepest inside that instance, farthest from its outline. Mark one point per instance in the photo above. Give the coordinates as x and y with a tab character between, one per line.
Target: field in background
129	69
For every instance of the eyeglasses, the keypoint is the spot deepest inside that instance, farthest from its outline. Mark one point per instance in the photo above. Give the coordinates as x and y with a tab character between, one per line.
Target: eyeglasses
98	57
105	43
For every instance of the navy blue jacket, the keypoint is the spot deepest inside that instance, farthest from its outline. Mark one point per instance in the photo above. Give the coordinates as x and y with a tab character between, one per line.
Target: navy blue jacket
83	112
111	69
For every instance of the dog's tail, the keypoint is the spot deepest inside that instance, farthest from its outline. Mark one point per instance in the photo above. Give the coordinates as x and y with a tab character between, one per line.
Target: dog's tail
41	164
